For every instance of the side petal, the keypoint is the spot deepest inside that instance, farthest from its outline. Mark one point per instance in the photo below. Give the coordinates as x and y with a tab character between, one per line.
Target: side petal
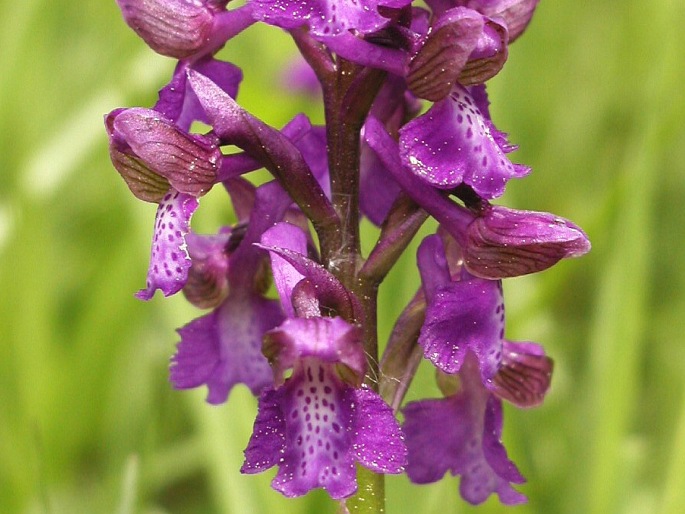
505	242
453	143
379	442
169	260
434	434
267	442
223	348
465	316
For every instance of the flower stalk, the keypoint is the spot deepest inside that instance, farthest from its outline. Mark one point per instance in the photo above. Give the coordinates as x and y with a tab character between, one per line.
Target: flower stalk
328	398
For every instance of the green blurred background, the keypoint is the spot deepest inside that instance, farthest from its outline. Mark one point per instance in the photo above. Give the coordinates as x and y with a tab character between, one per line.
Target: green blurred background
593	93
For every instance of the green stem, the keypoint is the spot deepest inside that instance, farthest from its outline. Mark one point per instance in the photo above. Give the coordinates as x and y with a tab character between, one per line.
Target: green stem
348	96
370	497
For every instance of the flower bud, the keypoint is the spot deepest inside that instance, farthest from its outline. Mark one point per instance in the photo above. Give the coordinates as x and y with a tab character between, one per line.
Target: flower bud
175	28
438	63
515	13
151	153
488	57
505	243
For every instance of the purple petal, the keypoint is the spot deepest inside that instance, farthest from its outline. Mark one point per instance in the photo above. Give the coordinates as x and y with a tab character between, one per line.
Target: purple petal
169	260
515	13
324	17
267	443
377	189
453	143
524	376
318	410
223	348
379	443
433	266
188	161
435	433
488	56
465	316
285	275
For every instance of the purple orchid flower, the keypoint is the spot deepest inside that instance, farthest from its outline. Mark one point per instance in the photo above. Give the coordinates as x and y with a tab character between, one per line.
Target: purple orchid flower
318	422
461	433
463	334
465	315
162	162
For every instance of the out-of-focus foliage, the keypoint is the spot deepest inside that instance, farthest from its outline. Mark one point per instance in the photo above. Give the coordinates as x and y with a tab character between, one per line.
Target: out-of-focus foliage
593	93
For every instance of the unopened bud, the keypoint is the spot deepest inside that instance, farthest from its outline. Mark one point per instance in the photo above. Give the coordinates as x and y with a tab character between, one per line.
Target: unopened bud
151	153
505	243
175	28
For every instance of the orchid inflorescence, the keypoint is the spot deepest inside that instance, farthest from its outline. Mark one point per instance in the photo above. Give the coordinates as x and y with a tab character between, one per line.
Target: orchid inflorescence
327	399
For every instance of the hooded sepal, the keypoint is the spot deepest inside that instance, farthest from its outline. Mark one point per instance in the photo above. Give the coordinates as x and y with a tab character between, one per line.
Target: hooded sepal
504	242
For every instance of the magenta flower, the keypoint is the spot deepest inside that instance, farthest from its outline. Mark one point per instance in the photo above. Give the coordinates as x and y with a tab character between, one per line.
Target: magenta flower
461	433
315	425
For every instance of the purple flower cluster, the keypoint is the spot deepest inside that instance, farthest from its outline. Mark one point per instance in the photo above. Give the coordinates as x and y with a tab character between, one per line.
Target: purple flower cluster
311	357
